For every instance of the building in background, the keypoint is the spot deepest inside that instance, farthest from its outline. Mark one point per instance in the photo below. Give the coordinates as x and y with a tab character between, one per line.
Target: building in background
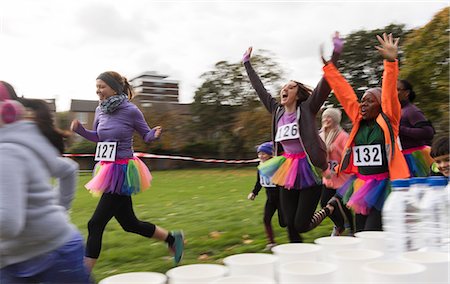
151	87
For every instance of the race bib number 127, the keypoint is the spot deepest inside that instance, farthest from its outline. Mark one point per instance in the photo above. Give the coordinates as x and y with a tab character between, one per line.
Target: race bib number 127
106	151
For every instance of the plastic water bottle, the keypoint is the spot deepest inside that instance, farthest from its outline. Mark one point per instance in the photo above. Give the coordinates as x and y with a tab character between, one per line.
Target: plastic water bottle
434	214
418	186
394	217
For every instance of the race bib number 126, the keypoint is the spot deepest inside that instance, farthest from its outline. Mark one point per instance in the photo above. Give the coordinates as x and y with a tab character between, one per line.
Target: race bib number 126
287	132
367	155
106	151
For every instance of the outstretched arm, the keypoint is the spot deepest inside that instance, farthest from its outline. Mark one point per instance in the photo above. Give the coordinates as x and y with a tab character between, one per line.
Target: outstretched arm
390	103
323	89
269	102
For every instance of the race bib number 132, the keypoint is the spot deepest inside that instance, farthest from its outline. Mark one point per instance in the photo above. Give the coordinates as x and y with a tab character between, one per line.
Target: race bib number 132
106	151
367	155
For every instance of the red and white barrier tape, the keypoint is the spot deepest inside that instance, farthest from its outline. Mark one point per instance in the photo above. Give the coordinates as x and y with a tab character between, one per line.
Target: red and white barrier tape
146	155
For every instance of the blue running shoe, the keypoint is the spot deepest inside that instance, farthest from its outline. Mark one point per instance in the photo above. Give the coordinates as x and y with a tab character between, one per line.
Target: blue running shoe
178	246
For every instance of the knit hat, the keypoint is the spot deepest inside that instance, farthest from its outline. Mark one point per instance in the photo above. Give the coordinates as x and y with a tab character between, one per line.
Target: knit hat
266	147
334	113
376	92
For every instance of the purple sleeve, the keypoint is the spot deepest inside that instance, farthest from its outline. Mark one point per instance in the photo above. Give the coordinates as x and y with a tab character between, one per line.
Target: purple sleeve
421	127
141	126
88	134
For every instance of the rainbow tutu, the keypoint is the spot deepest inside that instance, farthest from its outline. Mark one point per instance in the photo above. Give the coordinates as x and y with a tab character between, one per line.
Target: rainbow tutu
419	161
364	192
124	177
291	171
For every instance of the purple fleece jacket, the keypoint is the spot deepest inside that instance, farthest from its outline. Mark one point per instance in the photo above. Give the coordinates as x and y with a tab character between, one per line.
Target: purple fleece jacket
119	126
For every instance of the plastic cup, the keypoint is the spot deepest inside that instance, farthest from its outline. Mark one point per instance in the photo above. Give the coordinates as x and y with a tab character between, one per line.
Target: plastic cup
297	252
350	263
196	273
375	240
332	244
437	264
394	272
136	278
245	279
257	264
307	272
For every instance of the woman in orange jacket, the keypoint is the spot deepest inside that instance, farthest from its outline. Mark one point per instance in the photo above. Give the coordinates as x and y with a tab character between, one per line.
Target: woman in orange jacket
371	152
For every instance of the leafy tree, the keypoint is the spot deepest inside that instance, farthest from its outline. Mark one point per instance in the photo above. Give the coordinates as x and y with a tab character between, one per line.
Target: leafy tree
426	66
225	92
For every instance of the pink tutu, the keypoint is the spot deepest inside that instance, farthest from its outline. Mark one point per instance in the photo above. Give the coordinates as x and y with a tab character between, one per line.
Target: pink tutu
124	177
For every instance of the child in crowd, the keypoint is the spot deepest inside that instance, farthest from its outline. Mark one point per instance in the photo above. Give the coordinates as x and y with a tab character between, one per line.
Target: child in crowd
440	154
265	152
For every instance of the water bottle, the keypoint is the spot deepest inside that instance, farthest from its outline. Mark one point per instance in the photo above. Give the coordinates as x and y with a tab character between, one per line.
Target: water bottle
394	218
434	214
418	186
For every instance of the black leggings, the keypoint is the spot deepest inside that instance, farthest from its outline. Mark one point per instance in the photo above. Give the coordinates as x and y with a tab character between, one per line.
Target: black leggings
327	193
121	208
272	205
298	208
371	222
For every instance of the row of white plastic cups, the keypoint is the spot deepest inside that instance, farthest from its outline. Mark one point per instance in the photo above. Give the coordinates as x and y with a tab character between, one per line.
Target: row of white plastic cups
353	265
293	263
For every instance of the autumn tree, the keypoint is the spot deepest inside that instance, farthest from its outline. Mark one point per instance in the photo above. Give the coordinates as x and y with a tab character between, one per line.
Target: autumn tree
222	98
426	67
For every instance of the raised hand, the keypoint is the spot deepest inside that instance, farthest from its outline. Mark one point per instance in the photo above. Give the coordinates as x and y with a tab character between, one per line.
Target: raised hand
338	43
247	55
74	124
158	130
389	47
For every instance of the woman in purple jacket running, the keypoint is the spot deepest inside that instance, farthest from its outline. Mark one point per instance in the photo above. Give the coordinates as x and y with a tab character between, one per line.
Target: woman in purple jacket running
119	174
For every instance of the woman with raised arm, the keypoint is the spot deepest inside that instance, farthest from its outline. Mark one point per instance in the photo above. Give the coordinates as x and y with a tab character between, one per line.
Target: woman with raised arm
299	153
372	152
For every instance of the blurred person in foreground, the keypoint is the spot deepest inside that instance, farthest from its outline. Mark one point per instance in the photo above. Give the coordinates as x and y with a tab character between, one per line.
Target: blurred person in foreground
39	111
416	132
38	243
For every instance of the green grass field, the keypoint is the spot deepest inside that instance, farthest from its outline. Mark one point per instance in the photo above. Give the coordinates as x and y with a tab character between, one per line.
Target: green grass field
209	205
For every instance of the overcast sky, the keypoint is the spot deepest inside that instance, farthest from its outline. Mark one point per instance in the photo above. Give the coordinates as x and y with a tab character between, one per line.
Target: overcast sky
56	49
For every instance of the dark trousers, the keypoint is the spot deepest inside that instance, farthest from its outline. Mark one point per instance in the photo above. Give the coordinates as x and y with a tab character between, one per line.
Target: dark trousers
371	222
298	207
272	205
121	208
327	193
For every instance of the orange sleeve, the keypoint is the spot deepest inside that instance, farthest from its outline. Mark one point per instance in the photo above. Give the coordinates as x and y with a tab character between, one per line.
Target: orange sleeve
342	90
390	103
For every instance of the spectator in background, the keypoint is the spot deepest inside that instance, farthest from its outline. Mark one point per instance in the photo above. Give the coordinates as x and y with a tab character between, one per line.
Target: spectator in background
335	139
416	132
440	154
38	244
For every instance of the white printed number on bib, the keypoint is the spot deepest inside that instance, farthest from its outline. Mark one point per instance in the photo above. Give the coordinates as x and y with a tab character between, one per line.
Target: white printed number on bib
265	181
367	155
287	132
106	151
